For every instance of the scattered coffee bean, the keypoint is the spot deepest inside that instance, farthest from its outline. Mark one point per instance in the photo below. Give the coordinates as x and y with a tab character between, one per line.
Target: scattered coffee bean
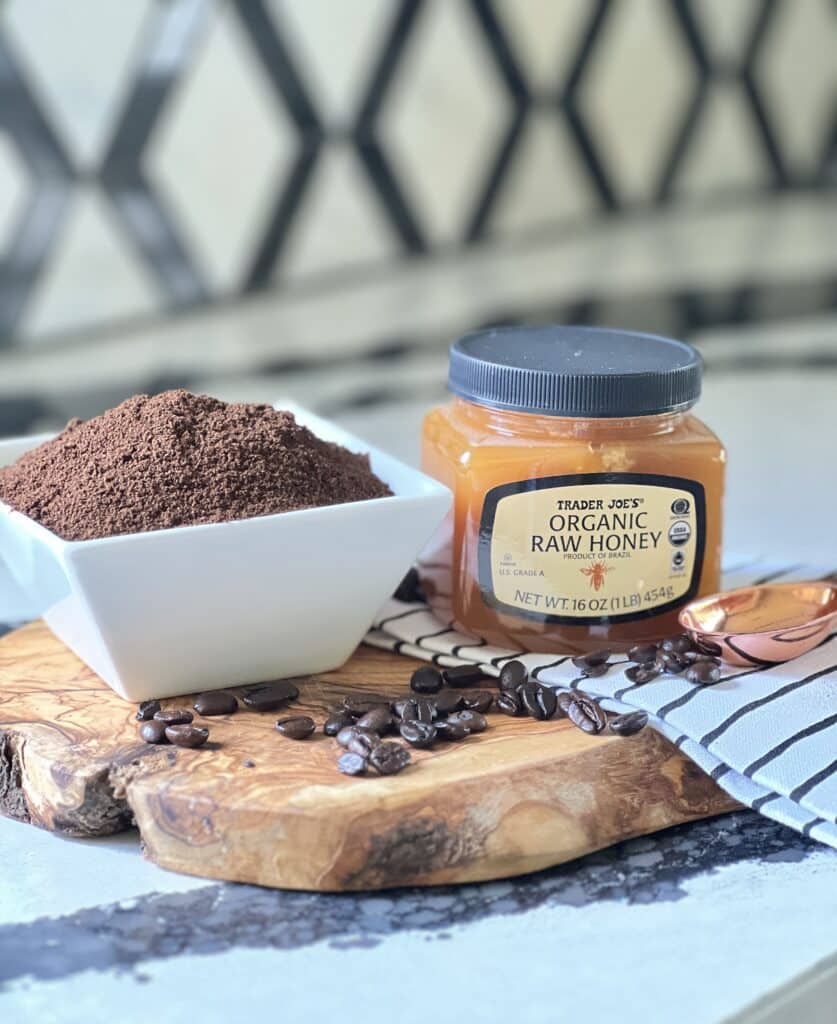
591	660
672	663
351	763
147	710
348	733
296	727
680	644
586	714
450	729
472	720
409	588
539	701
643	673
153	732
426	680
378	720
564	699
706	646
447	702
359	706
363	742
695	657
216	702
404	706
512	675
187	735
389	758
337	720
643	654
463	675
508	703
174	716
425	711
418	734
628	724
703	672
479	700
270	696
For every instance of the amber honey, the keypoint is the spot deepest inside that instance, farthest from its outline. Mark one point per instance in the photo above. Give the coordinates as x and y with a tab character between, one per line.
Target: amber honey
575	526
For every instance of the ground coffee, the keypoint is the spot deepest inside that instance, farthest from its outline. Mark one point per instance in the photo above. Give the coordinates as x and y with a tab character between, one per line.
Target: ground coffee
178	459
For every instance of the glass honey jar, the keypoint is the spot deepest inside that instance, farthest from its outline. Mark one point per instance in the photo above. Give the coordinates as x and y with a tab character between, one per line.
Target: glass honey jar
587	497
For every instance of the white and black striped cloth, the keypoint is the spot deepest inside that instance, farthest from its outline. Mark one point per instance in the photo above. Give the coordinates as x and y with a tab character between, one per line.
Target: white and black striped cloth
767	736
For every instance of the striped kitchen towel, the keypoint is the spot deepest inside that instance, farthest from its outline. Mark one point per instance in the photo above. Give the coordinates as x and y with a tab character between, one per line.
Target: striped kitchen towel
768	736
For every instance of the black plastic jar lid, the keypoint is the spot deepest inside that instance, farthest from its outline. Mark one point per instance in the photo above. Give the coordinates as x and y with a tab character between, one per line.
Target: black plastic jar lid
575	371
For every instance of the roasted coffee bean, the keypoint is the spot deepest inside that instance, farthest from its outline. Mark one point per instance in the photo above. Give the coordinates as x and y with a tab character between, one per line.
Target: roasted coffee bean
680	644
508	703
406	706
539	701
409	588
425	711
351	764
174	716
479	700
363	742
419	710
594	658
450	729
187	735
359	706
389	758
418	734
586	714
147	710
270	696
463	675
426	680
447	702
628	724
472	720
153	732
512	675
643	673
337	720
695	657
673	664
643	654
216	702
350	732
703	672
379	720
563	699
296	727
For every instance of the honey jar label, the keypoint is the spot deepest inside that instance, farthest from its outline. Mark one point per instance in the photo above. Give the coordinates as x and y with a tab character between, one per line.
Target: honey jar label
592	548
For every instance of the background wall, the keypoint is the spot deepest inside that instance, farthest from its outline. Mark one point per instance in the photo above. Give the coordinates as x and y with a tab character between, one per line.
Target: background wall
395	170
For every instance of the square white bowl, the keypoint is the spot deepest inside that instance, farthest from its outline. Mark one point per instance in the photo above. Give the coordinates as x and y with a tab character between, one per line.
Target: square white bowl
196	608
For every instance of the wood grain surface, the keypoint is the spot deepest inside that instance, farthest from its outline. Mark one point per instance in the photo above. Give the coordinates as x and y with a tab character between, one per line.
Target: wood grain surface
521	796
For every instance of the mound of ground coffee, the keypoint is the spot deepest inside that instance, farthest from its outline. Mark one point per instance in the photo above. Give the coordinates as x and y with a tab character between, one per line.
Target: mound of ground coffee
178	459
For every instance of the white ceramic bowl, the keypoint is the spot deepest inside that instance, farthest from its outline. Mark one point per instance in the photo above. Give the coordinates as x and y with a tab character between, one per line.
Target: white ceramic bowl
200	607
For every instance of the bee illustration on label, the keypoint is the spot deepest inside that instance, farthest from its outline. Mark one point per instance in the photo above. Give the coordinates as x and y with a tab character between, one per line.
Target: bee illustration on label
596	573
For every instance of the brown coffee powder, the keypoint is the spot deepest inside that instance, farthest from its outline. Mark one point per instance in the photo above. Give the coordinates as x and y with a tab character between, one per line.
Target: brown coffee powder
178	459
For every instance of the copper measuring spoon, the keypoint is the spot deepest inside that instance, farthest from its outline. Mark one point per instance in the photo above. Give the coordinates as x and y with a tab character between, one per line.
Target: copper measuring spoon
765	624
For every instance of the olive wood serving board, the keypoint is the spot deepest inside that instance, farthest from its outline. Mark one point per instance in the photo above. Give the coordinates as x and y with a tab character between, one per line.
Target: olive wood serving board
522	795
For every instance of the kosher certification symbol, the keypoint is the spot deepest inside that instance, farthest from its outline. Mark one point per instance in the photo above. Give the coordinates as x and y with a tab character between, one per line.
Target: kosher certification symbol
679	532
